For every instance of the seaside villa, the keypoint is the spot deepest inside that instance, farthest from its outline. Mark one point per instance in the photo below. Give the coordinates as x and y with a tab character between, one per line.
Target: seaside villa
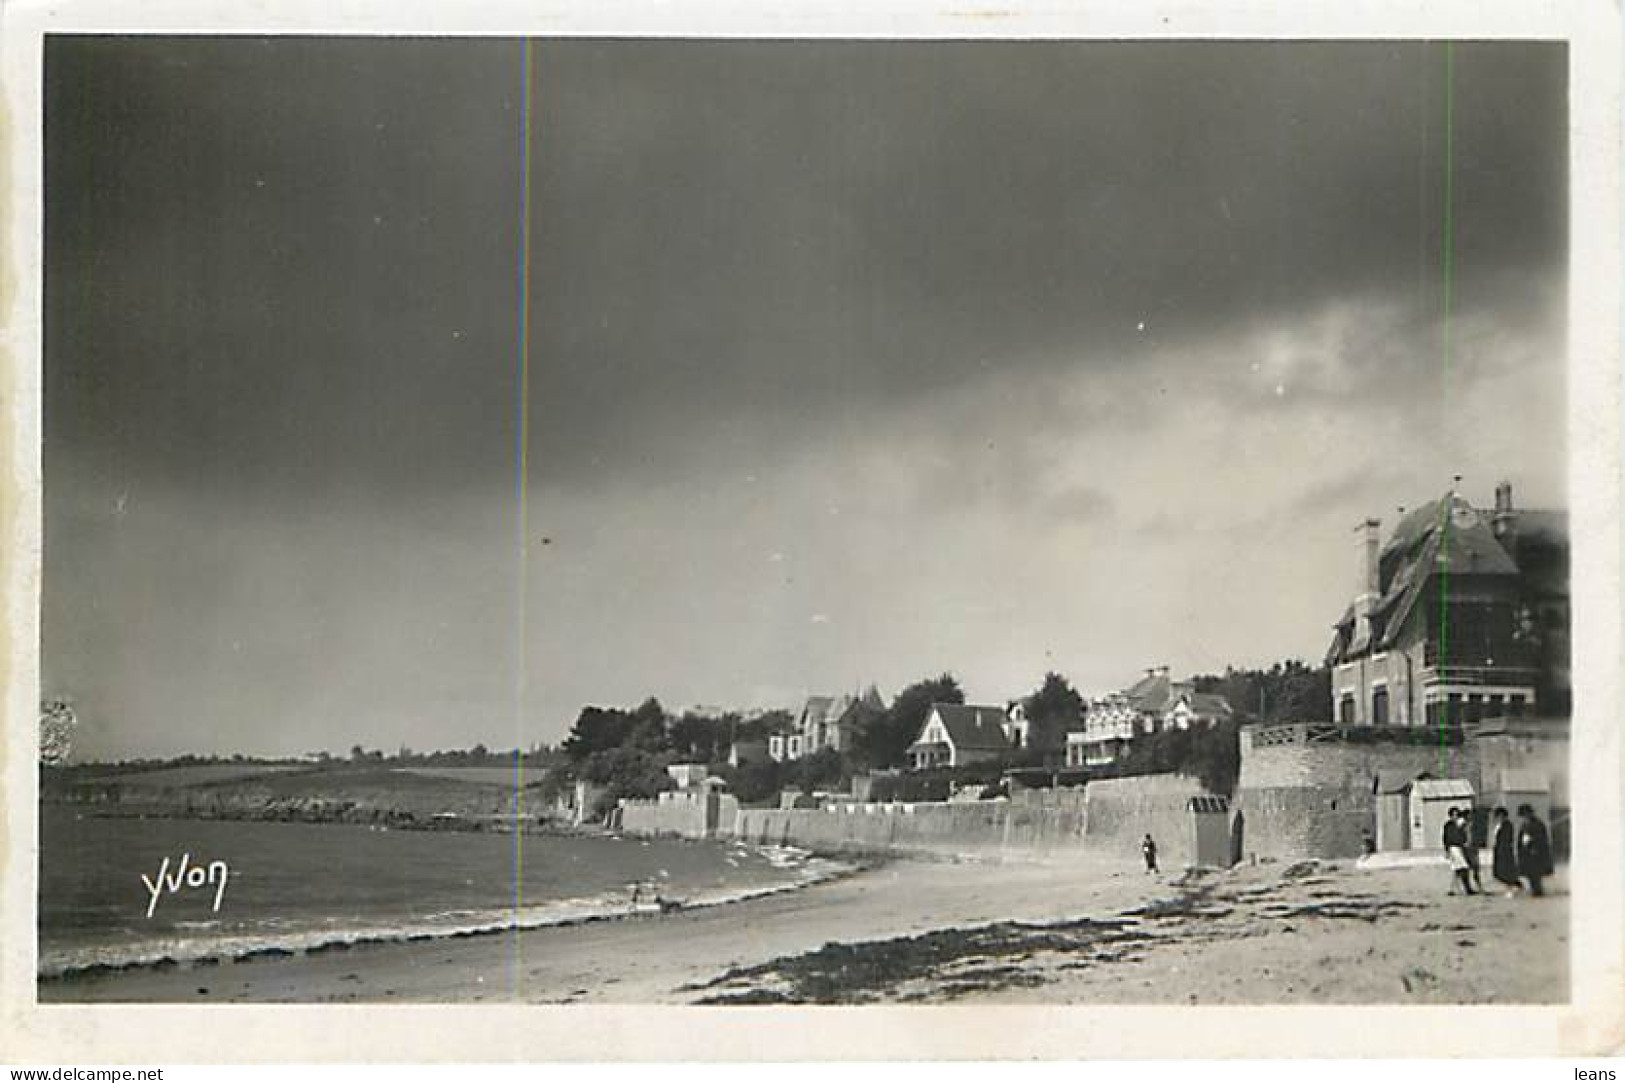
825	722
956	734
1154	703
1461	616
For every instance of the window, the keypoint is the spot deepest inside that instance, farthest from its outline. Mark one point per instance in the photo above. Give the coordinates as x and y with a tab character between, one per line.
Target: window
1345	711
1379	707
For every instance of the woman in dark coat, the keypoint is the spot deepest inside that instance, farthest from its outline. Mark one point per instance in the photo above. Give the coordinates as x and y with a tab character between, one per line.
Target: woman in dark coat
1534	849
1504	845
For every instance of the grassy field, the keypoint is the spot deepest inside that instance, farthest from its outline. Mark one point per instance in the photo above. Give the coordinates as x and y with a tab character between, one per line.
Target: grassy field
421	792
198	774
482	776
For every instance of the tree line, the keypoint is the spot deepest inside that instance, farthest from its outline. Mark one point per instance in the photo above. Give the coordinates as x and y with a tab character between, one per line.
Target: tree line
627	750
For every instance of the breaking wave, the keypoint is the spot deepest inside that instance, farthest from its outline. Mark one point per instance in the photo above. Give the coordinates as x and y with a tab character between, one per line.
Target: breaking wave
272	939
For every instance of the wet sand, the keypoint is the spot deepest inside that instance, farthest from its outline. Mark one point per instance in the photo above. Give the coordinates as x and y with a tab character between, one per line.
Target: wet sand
1079	930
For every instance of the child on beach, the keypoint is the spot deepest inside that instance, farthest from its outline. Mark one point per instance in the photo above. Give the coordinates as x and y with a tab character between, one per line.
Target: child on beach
1149	849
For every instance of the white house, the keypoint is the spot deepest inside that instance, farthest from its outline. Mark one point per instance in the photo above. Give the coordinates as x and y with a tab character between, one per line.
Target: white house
956	734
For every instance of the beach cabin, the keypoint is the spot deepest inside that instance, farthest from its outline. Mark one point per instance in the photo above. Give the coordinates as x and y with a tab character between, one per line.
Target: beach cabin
1394	820
1210	831
1428	802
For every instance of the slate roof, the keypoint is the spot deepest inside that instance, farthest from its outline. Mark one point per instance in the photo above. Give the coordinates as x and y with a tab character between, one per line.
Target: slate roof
817	710
844	710
1157	693
1450	535
972	726
1466	546
1151	692
1210	703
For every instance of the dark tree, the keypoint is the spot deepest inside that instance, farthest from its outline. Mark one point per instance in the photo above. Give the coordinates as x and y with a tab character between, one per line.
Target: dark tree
597	729
757	782
699	738
822	770
1053	711
649	727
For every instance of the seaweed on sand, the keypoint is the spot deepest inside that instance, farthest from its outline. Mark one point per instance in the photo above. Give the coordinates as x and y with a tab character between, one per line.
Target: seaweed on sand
958	961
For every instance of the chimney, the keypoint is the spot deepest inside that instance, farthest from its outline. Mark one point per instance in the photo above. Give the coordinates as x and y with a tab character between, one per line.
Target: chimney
1505	520
1368	543
1367	538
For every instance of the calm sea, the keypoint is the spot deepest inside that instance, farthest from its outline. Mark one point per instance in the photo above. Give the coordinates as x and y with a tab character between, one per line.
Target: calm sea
295	886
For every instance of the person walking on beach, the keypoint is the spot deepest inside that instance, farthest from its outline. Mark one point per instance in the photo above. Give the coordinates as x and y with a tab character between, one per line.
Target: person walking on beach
1455	850
1504	848
1470	851
1149	849
1534	849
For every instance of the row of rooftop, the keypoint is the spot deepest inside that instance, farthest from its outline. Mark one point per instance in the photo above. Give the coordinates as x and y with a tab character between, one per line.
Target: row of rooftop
957	734
1460	615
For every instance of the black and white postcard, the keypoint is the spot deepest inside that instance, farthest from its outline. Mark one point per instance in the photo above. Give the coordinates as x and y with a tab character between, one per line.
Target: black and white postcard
653	523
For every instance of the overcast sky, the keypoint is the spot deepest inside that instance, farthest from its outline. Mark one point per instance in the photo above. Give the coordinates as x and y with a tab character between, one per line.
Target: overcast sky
848	363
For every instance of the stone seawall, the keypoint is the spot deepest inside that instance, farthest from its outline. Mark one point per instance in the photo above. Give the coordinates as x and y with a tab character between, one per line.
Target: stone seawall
1110	816
979	828
1299	798
1122	811
691	815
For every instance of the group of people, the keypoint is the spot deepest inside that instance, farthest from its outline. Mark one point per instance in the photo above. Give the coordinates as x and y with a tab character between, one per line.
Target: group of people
1522	853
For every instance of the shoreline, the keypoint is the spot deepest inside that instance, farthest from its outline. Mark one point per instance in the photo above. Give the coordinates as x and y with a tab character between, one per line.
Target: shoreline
635	957
817	868
1074	929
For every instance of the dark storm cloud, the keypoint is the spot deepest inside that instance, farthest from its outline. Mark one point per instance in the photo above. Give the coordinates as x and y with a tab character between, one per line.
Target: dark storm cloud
282	264
292	262
847	361
853	222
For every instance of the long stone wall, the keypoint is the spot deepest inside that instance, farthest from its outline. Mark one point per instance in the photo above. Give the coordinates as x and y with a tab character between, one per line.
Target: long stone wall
1122	811
1109	817
983	828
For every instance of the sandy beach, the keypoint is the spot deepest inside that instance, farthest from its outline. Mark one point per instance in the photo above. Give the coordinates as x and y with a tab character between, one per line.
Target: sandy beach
1074	930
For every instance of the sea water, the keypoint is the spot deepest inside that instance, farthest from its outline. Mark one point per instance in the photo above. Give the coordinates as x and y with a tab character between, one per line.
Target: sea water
293	886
